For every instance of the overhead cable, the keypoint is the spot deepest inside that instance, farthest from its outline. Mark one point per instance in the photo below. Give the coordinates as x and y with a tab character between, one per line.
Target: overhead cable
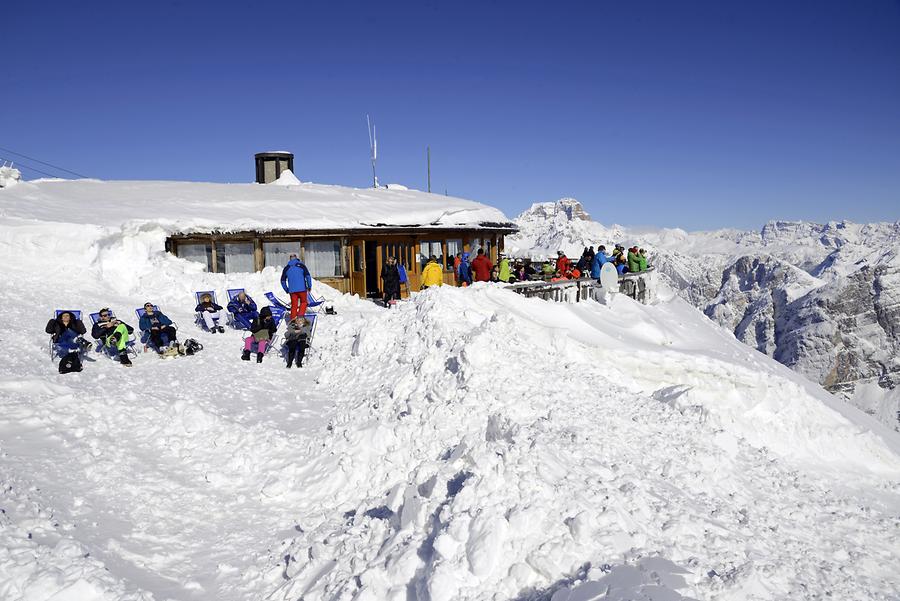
42	162
23	166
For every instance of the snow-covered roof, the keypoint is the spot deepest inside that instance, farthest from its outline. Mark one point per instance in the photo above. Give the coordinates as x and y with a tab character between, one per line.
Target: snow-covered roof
193	207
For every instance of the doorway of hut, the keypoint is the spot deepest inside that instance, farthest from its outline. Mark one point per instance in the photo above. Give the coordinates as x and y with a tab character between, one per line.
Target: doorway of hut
373	272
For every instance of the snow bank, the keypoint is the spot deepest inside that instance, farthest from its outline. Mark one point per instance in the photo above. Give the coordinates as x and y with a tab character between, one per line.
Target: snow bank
287	178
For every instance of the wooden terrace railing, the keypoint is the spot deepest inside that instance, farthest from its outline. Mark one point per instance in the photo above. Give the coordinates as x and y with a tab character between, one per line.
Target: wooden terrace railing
638	286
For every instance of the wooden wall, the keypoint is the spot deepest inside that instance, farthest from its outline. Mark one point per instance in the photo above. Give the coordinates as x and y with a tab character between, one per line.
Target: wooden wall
404	245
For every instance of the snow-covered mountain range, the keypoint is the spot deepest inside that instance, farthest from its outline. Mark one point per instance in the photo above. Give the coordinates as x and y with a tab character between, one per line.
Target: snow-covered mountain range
823	299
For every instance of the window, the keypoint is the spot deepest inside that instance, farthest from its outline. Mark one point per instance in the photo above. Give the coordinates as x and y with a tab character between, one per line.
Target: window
426	249
477	243
235	257
196	252
357	257
323	258
277	253
453	246
403	251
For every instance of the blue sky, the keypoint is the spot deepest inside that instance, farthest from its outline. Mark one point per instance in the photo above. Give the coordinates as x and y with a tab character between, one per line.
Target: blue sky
682	114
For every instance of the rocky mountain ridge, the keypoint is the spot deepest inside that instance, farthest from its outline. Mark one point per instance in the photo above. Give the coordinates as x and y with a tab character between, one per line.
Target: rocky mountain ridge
823	299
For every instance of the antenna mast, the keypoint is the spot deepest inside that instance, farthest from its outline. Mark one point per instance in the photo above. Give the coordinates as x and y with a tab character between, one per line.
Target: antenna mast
373	148
428	153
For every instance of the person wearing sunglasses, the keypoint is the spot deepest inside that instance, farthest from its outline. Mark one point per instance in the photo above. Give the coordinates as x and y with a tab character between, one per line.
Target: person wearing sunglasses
113	333
160	330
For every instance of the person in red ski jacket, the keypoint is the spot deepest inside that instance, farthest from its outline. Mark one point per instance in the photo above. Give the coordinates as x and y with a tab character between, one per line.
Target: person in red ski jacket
563	264
481	267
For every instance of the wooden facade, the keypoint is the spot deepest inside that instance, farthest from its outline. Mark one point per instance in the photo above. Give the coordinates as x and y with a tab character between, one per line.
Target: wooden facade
358	254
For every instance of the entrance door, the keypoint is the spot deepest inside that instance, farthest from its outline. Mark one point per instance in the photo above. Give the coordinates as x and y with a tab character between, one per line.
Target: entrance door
358	268
372	272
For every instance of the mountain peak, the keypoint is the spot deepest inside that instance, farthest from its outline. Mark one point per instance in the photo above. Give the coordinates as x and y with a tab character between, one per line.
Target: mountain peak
568	208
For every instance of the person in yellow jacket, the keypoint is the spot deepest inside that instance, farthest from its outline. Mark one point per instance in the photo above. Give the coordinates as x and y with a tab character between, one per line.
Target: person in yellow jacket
432	275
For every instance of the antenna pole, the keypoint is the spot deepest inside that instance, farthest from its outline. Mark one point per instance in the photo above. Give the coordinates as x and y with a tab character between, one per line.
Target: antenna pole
373	148
428	152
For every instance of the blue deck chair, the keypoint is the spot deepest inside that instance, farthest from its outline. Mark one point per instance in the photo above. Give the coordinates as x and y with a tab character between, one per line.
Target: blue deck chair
198	317
274	341
55	349
312	303
239	322
145	334
100	345
313	320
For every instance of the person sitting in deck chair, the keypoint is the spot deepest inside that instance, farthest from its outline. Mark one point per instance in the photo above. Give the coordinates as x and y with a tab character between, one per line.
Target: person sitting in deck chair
213	315
262	329
160	330
296	338
296	281
114	334
66	332
244	309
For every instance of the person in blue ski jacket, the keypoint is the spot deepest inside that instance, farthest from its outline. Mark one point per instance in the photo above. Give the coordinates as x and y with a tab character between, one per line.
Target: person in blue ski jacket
600	258
158	328
465	271
296	281
244	310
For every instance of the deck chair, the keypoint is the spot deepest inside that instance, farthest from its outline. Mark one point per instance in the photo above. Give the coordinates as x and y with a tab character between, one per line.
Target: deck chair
312	303
239	322
55	349
277	304
198	316
313	320
100	345
145	334
274	341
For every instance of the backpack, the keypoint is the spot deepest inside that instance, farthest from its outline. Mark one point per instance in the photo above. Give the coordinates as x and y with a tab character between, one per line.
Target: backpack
192	347
71	362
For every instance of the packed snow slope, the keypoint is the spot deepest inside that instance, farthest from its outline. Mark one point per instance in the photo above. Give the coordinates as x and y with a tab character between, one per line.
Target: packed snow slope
468	444
823	299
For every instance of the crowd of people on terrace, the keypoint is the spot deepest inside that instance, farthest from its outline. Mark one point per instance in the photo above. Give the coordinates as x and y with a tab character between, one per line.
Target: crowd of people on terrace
467	270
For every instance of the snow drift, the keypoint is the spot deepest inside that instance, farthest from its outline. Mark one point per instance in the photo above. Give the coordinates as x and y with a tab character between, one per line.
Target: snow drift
469	444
